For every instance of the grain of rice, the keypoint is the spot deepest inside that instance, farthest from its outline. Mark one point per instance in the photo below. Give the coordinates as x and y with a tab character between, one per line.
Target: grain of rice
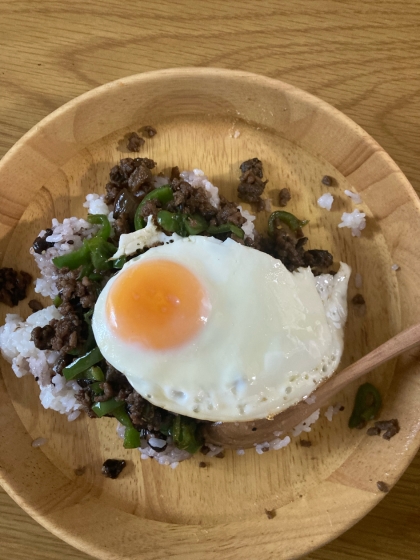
325	201
395	267
39	442
356	198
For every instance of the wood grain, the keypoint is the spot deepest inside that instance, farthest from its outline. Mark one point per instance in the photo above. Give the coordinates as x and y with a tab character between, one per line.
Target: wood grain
362	57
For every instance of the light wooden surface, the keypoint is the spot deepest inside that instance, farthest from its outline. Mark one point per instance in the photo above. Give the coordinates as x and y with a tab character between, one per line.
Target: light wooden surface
363	58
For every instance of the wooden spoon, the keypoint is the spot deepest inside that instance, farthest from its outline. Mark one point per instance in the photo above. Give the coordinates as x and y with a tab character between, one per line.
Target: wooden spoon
244	434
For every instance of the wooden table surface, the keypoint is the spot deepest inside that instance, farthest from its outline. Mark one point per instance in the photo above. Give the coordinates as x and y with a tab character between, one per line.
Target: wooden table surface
361	56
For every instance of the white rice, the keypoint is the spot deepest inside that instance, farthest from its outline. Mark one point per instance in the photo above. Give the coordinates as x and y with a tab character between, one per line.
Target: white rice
305	426
355	220
325	201
356	198
310	399
17	348
39	442
236	134
395	267
71	229
197	178
95	204
170	456
248	226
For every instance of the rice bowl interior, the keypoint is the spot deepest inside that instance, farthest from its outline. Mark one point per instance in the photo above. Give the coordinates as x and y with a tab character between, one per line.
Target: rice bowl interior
288	473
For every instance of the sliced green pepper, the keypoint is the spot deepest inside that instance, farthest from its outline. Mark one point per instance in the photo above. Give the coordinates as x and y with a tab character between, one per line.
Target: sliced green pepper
122	416
82	364
131	438
100	253
73	260
105	407
173	222
96	388
120	262
185	434
57	301
164	194
366	406
226	228
287	218
102	220
195	224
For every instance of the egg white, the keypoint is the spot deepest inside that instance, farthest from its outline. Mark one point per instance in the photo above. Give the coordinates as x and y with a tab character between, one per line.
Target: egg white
270	339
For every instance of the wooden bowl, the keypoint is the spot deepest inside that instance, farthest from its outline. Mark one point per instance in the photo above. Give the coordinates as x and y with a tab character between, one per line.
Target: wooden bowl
214	119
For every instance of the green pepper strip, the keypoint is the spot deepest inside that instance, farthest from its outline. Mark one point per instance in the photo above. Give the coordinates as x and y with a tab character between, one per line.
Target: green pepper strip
226	228
195	224
106	407
102	220
122	416
82	364
73	260
131	438
120	262
100	253
289	219
96	388
164	194
184	434
366	406
172	222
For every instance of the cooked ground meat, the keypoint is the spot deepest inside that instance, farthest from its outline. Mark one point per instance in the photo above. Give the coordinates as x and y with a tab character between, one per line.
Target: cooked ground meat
122	225
229	213
305	443
373	431
144	415
108	392
84	397
202	465
139	178
270	513
112	468
41	244
327	181
35	305
150	208
391	428
358	299
13	286
134	142
42	336
318	259
150	131
120	176
175	173
382	486
191	200
70	287
251	185
284	197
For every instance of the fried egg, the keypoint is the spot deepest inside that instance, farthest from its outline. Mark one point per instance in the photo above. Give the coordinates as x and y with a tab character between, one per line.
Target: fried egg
219	331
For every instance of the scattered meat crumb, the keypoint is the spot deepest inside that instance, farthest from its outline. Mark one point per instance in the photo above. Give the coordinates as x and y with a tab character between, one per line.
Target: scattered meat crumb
358	299
35	305
80	471
134	142
112	468
359	304
220	455
202	465
150	131
284	197
327	180
373	431
270	513
305	443
205	450
391	428
382	486
13	285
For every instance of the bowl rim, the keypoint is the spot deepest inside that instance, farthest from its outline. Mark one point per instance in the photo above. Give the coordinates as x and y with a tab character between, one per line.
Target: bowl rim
7	479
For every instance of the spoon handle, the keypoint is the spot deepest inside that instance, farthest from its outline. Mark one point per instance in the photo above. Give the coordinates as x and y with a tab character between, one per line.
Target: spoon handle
393	347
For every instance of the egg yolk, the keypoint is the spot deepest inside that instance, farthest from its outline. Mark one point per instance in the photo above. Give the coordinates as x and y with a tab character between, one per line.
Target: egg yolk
159	304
